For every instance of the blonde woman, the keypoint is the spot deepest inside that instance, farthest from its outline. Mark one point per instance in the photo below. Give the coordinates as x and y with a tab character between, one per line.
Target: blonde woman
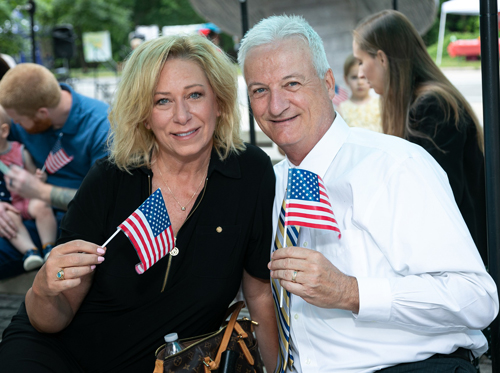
421	105
175	126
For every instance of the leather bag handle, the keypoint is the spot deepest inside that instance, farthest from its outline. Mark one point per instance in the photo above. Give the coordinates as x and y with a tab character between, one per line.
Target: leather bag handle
235	311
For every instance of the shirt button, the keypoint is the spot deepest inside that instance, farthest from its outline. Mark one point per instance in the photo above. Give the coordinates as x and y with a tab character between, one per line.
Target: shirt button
305	244
296	317
308	361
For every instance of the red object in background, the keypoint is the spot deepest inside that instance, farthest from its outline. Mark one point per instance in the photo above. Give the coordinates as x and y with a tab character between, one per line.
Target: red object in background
204	32
467	48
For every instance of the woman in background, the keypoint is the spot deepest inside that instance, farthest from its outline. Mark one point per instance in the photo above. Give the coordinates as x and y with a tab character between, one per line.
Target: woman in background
421	105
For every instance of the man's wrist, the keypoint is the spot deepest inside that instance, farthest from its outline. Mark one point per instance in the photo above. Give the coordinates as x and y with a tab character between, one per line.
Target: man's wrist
45	192
353	294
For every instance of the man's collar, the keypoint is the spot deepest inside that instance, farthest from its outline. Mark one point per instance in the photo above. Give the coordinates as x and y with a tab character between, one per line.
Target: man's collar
71	125
321	156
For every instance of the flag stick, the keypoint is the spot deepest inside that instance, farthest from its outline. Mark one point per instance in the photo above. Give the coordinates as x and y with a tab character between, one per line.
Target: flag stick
43	168
110	238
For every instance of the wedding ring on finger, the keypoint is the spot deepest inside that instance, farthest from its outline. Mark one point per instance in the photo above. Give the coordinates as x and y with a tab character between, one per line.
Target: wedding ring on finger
10	183
294	276
60	274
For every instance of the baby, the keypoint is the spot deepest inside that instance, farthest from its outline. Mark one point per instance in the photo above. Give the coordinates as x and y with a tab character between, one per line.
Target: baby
18	208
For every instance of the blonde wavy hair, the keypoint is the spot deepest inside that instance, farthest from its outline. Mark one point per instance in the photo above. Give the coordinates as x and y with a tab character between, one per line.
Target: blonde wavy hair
131	144
411	74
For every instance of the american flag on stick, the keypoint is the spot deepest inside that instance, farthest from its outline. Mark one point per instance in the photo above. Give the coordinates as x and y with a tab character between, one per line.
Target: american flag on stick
150	231
307	203
57	158
341	95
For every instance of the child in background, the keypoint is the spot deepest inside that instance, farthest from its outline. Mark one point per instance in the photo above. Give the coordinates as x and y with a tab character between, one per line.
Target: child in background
361	109
17	208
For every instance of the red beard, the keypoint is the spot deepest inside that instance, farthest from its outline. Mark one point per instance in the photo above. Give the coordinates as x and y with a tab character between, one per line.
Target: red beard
39	125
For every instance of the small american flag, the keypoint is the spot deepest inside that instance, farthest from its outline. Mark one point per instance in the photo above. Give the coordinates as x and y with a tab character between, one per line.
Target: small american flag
340	95
150	231
307	203
57	158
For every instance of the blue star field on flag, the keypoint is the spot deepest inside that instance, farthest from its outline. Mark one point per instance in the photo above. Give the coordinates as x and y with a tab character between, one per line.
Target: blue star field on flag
150	231
307	202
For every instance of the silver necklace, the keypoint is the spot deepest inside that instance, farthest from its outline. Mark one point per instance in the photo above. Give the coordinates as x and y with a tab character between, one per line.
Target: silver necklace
183	208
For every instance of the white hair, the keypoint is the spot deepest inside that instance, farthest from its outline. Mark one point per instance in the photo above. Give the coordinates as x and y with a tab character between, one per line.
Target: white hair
278	28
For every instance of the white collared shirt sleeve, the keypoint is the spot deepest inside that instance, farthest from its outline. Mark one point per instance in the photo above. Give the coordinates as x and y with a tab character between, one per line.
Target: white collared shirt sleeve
423	288
439	280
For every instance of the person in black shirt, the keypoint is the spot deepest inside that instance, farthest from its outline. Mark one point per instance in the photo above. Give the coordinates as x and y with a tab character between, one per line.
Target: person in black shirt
420	104
175	126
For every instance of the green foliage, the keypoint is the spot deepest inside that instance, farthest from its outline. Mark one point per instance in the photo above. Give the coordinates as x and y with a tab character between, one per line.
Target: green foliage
164	13
454	23
10	43
119	17
94	15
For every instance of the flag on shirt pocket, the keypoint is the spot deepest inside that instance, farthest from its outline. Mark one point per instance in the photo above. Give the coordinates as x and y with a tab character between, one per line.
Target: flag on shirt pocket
150	231
307	203
57	158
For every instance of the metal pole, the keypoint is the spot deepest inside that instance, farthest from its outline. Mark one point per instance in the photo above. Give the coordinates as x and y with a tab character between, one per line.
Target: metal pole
244	23
31	9
490	79
395	4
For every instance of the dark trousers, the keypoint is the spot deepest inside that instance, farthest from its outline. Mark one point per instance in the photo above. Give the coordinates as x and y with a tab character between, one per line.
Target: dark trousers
435	364
23	349
11	260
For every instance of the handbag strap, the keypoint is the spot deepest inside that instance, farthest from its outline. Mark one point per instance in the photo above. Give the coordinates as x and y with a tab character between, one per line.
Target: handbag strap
235	311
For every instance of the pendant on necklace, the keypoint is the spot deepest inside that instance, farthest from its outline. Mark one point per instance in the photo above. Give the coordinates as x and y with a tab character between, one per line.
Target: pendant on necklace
183	208
174	251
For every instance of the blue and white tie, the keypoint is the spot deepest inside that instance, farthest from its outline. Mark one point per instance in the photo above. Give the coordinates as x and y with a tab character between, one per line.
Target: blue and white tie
283	313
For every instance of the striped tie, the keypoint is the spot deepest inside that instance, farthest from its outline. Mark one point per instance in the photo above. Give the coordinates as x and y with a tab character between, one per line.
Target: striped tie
283	314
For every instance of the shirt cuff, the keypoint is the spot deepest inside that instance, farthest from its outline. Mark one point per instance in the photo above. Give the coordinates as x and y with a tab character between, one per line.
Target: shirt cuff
375	300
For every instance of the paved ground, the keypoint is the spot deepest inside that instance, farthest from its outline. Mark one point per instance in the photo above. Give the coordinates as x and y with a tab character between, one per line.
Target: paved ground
468	83
9	303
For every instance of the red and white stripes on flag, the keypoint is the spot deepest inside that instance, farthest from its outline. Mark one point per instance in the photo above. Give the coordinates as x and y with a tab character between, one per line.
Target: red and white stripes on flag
307	202
341	95
57	158
150	231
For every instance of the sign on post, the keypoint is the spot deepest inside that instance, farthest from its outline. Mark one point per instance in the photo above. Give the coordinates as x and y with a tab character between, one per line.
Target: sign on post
97	46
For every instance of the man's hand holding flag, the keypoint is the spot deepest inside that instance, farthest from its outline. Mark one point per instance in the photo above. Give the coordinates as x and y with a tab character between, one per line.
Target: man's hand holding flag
307	205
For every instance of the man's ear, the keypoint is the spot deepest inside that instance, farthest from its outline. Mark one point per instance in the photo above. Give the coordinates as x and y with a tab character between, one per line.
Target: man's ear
42	113
330	83
382	57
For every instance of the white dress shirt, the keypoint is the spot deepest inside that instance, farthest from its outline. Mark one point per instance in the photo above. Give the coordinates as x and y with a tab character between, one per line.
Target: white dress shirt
423	288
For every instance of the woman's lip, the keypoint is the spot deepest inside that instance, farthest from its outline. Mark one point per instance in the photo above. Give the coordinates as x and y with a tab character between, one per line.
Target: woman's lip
185	134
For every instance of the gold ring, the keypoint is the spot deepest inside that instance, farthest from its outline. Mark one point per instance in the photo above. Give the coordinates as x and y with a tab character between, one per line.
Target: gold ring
60	274
294	276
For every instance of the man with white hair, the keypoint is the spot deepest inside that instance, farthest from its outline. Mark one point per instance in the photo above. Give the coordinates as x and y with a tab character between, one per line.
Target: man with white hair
398	284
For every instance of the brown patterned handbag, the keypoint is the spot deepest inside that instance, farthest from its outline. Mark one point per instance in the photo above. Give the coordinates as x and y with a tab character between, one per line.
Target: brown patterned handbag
202	354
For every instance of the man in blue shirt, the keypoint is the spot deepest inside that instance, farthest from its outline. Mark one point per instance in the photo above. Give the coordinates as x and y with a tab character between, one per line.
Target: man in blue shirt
44	112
